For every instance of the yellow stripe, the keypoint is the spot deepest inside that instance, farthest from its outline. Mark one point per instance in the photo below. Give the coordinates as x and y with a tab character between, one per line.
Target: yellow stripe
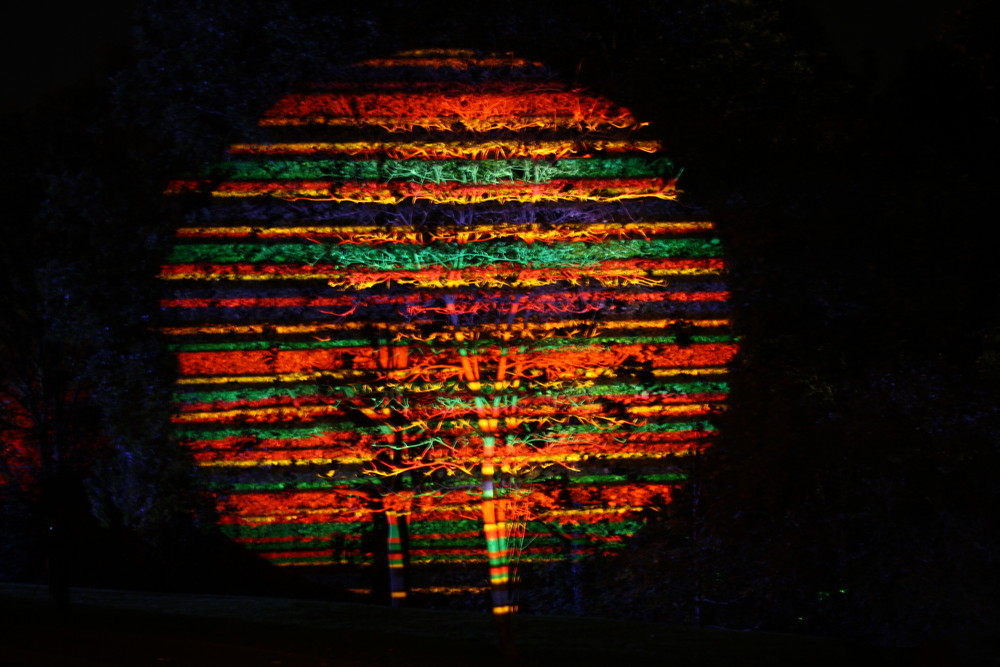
501	230
292	514
466	148
309	563
609	510
451	590
605	277
667	409
303	410
402	329
277	462
662	372
508	460
280	377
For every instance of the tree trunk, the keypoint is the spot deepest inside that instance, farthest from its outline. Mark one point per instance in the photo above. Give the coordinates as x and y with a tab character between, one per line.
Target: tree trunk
499	555
397	566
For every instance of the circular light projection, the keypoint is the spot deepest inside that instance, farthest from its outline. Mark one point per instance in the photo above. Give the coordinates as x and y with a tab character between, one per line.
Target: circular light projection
450	301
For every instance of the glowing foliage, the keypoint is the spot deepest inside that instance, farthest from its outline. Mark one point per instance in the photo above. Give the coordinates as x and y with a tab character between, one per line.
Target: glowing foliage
443	150
500	106
491	327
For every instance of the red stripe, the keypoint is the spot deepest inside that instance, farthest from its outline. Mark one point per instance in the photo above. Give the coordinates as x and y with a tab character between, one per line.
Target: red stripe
395	191
558	363
524	404
478	298
453	103
439	272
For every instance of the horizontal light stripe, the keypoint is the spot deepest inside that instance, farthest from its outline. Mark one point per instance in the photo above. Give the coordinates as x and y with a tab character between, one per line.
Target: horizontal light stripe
398	192
540	107
279	462
479	172
274	437
304	393
278	377
549	342
435	123
417	257
593	232
565	362
417	419
461	62
405	329
302	413
669	372
415	386
486	149
608	273
682	449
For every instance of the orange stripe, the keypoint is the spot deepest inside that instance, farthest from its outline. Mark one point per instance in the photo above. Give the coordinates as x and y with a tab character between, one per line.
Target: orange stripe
564	362
443	150
442	275
397	192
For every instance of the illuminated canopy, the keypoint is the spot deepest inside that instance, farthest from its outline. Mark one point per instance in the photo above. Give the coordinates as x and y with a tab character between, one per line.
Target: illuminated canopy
450	296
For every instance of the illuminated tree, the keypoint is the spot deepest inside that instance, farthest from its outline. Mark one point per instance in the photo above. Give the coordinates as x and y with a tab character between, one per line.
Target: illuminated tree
449	272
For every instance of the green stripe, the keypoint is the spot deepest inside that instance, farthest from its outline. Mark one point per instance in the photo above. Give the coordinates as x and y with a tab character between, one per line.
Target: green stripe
441	171
267	433
297	433
270	487
311	390
363	480
623	527
614	528
580	480
668	427
249	394
532	541
319	560
296	529
352	549
412	256
450	558
441	543
438	526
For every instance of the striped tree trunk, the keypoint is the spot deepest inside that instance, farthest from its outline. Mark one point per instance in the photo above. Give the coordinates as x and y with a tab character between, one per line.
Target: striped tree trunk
496	534
395	357
397	571
497	548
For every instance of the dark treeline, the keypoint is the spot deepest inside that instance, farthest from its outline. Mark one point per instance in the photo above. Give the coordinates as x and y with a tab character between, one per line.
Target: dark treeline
852	490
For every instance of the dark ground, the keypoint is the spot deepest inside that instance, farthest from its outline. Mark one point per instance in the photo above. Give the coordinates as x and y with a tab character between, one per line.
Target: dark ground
131	629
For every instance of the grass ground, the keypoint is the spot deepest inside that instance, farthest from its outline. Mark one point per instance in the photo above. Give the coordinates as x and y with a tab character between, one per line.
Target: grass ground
108	628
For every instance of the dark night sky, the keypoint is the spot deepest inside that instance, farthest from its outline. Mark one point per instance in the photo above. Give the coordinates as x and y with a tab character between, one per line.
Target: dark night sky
51	47
873	38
